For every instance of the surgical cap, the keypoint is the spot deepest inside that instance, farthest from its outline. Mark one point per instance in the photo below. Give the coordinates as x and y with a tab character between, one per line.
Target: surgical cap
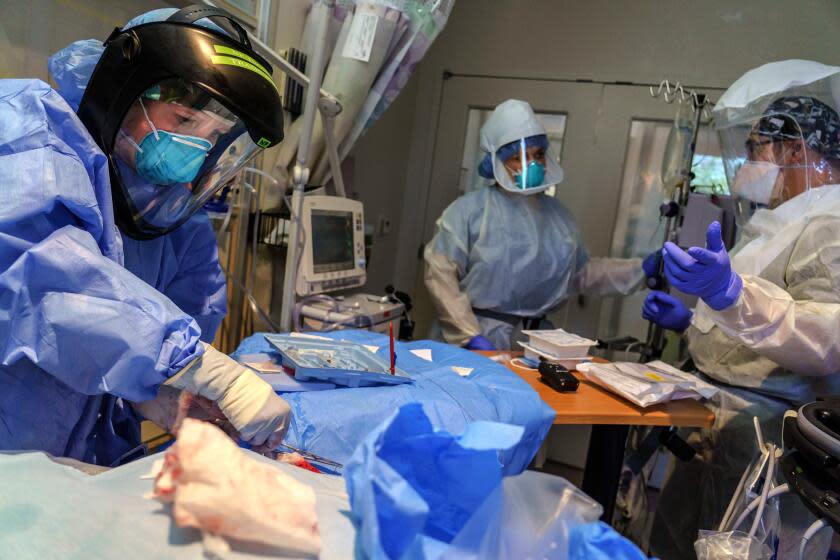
485	168
803	117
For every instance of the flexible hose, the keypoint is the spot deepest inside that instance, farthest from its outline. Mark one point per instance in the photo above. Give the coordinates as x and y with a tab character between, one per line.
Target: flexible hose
809	533
777	491
768	481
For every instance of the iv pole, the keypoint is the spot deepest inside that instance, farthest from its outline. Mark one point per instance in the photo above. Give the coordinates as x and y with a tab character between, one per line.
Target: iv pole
329	107
673	209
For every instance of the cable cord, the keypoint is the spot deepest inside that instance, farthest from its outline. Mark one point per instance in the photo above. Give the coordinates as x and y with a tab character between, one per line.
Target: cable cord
777	491
768	482
809	534
730	510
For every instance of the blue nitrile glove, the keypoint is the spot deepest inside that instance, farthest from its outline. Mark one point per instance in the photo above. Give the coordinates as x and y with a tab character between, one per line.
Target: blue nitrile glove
651	263
704	272
666	311
479	342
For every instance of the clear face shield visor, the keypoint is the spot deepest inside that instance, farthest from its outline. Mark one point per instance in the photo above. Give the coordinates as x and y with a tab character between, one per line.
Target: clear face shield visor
525	167
766	162
177	146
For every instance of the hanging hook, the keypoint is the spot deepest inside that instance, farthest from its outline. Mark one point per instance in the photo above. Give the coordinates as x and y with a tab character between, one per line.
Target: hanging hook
670	93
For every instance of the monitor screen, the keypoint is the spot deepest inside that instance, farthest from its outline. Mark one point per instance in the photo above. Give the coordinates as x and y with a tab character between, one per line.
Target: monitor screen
332	241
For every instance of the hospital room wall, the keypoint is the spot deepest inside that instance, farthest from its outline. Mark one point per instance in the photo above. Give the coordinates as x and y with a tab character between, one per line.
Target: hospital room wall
700	44
32	30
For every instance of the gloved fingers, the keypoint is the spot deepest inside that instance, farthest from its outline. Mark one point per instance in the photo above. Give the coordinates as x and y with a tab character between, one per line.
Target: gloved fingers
714	241
650	265
479	342
276	439
662	298
651	297
648	316
650	309
678	257
270	430
703	256
676	275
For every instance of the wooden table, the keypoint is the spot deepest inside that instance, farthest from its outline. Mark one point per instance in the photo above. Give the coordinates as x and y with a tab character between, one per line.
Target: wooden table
610	416
593	405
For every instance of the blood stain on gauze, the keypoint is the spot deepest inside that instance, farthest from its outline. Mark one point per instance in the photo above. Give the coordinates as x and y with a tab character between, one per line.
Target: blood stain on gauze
215	487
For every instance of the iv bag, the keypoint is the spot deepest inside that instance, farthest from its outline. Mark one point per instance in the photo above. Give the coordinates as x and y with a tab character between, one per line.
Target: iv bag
675	160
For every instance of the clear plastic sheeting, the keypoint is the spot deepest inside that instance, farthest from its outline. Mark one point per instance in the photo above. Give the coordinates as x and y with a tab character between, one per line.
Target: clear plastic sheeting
533	516
732	545
426	19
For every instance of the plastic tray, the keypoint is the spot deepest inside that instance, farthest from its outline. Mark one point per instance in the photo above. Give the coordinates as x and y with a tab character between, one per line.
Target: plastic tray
559	343
336	361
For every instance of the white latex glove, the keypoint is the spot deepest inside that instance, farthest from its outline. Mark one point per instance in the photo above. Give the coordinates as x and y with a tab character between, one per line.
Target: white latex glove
248	402
162	410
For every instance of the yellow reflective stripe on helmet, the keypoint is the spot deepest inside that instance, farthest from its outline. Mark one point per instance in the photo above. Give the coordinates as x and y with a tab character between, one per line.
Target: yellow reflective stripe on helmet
230	61
221	49
240	60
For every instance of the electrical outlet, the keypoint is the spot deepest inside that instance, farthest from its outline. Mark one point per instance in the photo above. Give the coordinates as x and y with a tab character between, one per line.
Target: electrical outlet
383	225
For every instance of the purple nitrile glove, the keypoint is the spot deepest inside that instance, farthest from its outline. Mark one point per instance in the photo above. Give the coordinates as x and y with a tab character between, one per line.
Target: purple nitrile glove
478	342
651	263
704	272
666	311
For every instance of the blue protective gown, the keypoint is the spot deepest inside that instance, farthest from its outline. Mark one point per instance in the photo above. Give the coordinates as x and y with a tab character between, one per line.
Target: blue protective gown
87	318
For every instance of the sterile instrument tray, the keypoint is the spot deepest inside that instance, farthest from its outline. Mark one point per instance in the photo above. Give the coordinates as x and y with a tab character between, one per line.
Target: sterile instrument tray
337	361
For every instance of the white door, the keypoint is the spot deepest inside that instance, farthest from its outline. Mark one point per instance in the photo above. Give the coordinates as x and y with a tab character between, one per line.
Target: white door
641	126
592	123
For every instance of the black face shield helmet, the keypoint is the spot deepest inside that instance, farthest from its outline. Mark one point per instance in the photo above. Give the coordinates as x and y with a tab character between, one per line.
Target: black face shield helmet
178	108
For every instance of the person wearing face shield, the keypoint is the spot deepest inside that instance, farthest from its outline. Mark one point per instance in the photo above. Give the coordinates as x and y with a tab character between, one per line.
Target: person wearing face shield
111	288
766	326
504	256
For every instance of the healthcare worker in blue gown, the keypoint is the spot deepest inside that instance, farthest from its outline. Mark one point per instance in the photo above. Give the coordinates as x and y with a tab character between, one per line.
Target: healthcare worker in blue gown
111	286
506	255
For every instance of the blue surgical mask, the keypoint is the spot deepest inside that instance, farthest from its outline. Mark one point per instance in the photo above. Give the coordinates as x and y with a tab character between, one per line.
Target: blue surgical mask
166	158
535	175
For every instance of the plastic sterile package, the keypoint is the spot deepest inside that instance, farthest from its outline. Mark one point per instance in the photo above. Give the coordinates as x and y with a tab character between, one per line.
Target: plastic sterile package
647	384
525	517
731	545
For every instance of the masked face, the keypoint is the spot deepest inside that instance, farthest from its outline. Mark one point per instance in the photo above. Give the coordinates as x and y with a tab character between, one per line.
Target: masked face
772	175
756	181
531	174
175	147
163	157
